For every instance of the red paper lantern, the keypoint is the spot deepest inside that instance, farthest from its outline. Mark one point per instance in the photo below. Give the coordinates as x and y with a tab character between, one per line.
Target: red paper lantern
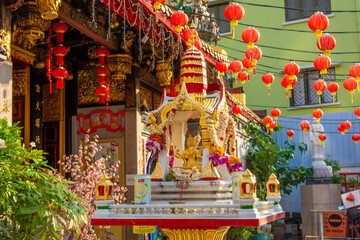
267	120
291	69
350	84
305	126
234	12
236	110
248	65
357	112
60	73
346	125
267	78
341	129
102	72
198	44
275	113
60	51
253	54
250	35
355	137
157	4
60	28
102	91
243	76
102	52
290	133
322	63
354	71
221	67
286	83
236	66
333	87
322	137
326	43
272	125
190	35
180	20
318	23
317	113
319	86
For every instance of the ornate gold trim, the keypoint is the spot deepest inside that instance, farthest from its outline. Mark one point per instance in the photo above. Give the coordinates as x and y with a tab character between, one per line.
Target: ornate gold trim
22	54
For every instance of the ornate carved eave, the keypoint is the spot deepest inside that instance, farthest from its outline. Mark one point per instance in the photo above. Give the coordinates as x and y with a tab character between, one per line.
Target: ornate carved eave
22	55
82	23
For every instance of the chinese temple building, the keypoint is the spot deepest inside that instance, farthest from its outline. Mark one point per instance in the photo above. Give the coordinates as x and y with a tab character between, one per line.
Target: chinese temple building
120	70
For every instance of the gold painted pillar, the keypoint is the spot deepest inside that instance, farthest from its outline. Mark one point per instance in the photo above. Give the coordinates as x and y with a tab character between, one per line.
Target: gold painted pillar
196	234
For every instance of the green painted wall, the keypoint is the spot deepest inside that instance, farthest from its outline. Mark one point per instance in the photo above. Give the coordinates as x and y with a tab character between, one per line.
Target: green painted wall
255	90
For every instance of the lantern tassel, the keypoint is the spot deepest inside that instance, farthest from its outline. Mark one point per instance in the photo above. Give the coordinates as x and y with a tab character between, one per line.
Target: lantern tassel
352	98
333	99
233	33
319	99
254	71
290	94
50	85
269	91
286	94
59	83
157	15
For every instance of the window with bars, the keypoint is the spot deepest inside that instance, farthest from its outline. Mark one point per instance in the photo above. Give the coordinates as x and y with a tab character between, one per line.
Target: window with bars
217	10
304	92
308	6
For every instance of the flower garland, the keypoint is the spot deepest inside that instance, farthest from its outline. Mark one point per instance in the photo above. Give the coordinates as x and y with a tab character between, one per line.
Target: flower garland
234	164
223	123
155	143
232	129
217	156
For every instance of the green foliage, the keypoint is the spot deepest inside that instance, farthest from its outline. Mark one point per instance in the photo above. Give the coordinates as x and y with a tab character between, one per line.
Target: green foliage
33	201
267	156
238	233
335	178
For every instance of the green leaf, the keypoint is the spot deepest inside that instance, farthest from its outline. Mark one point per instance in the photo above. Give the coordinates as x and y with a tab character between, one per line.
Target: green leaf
28	210
54	234
43	235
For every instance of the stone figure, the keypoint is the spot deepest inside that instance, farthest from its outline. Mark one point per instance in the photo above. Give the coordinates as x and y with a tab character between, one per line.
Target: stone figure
317	152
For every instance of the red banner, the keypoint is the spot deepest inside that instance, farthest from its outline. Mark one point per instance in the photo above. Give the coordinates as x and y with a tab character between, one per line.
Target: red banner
113	122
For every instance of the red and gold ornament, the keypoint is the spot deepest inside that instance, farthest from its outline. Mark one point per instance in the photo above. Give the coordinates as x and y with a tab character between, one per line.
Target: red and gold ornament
333	87
322	137
350	84
243	76
60	28
236	66
60	51
102	53
355	137
236	110
317	113
250	35
290	133
318	23
222	68
180	20
326	43
267	120
354	71
346	125
305	126
102	71
291	69
357	112
286	83
59	74
275	113
341	129
190	35
322	63
248	65
267	78
157	4
102	91
234	12
319	86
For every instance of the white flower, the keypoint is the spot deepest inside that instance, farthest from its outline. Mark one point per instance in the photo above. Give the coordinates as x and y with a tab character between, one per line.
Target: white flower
32	144
2	143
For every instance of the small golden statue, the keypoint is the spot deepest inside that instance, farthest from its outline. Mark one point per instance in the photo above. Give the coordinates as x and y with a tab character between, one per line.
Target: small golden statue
191	154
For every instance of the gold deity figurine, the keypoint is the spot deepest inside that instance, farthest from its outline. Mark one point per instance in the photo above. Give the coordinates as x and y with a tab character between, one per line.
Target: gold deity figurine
191	154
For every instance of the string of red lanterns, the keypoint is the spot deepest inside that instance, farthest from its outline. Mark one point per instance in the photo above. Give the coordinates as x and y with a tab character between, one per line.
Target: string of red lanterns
103	91
60	51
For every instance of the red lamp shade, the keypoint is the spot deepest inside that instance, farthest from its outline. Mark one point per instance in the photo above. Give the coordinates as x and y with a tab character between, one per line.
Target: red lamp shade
355	137
253	54
102	72
272	125
290	133
291	69
236	66
318	23
333	87
198	44
221	67
180	20
354	71
357	112
317	113
305	126
267	78
190	36
319	86
102	91
346	125
275	113
60	28
341	129
322	137
236	110
243	76
267	120
326	43
250	35
60	73
322	63
102	52
286	83
60	51
350	84
234	12
247	64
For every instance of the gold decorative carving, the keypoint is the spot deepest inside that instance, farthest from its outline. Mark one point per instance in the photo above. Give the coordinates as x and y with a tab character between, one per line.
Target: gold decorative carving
5	40
19	82
22	54
32	24
146	98
52	106
273	186
196	234
247	185
120	64
210	171
87	83
164	72
130	95
158	172
129	40
157	101
103	187
49	8
92	52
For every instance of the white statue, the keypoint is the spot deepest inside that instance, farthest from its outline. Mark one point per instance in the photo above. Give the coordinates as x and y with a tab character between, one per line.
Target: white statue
317	152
